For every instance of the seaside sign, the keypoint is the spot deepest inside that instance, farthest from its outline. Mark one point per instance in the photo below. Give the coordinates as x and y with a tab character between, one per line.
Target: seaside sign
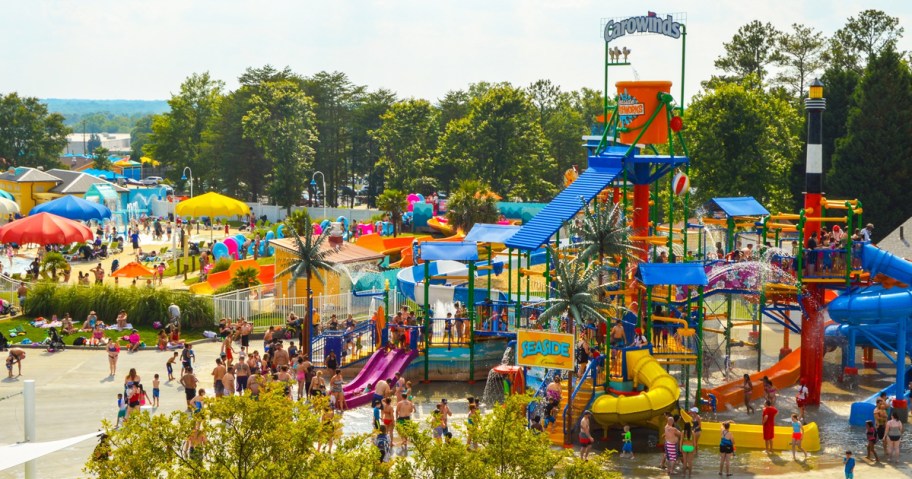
544	349
649	23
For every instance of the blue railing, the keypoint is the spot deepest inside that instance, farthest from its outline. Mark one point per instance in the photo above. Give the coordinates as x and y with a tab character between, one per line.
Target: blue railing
350	347
591	370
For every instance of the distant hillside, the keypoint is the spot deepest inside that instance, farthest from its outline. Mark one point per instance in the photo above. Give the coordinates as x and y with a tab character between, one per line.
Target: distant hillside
72	107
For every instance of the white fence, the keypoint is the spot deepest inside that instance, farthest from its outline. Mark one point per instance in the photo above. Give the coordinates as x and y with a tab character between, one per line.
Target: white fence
276	213
265	305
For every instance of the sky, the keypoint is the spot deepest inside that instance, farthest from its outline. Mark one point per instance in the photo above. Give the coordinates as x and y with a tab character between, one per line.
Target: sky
128	49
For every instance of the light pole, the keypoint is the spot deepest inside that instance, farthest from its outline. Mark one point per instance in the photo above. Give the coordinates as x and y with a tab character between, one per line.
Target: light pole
313	182
184	178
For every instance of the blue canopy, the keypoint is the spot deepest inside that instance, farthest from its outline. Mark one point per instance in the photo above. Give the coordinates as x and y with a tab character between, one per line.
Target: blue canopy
458	251
743	206
485	233
73	208
108	175
677	274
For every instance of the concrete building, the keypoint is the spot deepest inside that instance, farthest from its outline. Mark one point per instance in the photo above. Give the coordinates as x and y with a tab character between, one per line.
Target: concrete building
115	142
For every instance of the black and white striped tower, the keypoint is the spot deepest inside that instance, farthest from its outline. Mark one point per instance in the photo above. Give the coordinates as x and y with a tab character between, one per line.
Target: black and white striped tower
815	104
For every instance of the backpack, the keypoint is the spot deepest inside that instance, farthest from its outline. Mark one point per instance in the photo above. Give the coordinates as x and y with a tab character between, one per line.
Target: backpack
383	443
80	341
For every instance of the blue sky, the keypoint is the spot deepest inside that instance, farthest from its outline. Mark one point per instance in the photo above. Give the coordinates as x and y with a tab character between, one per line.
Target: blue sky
144	49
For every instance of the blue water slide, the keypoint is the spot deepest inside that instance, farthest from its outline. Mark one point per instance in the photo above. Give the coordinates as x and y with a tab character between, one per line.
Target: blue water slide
879	317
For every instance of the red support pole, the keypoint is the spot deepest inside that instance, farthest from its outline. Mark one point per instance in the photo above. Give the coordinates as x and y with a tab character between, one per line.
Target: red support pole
641	218
812	348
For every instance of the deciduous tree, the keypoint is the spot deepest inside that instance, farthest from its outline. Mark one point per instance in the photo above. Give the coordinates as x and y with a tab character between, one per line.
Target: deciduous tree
871	162
738	136
29	135
408	135
750	53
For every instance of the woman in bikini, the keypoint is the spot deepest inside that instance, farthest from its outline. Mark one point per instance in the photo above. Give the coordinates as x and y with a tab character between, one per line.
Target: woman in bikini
317	386
894	434
113	352
688	446
336	384
748	389
301	376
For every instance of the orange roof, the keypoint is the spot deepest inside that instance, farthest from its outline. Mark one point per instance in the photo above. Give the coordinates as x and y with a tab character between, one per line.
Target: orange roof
345	254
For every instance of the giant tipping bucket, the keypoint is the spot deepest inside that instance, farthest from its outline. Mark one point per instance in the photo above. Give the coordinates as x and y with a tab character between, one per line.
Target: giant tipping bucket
637	101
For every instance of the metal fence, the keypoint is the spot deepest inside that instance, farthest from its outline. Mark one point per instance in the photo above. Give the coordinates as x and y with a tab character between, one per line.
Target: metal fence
266	305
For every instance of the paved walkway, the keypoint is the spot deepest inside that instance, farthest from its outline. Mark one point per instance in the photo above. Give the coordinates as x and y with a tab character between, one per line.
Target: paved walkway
74	393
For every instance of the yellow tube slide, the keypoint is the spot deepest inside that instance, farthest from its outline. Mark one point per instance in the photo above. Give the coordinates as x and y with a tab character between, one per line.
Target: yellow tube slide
662	395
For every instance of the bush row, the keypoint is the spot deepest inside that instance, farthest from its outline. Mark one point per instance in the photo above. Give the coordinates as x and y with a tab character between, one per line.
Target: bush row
143	305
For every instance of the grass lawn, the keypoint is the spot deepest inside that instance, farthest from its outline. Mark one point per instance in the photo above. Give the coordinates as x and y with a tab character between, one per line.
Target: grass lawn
148	335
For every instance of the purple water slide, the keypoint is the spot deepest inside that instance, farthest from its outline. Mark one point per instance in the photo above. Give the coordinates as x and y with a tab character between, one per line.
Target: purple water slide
397	363
378	360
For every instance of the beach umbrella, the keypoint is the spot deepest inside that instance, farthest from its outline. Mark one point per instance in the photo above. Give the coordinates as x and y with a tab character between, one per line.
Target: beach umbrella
132	270
211	204
4	194
44	228
8	207
73	208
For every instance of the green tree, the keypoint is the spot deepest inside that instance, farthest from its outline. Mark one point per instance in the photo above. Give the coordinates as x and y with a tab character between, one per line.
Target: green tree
750	53
453	106
139	136
871	32
799	57
242	167
53	263
29	135
282	123
299	220
366	118
94	143
870	163
502	137
308	261
243	438
394	202
472	202
335	98
737	135
604	232
177	136
102	159
244	278
407	136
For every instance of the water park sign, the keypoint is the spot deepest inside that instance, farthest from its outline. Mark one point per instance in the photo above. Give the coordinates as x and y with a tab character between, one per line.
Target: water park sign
544	349
650	23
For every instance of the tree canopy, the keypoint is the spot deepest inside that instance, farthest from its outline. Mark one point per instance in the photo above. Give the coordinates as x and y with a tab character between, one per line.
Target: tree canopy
29	134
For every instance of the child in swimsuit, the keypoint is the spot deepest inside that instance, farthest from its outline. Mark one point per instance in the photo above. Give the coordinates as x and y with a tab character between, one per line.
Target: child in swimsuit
627	449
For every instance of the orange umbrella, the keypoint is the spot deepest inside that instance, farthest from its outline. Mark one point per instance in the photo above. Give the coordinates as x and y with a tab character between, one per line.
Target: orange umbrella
44	228
132	270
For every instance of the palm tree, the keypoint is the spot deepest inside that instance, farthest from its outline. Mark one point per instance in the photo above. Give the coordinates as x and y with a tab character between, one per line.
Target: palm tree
575	292
245	278
52	263
604	232
309	259
395	203
472	202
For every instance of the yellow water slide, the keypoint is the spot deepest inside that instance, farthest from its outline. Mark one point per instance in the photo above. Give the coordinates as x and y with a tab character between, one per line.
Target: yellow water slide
662	395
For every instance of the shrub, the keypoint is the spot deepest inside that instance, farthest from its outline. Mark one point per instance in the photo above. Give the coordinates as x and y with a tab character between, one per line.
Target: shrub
144	305
221	265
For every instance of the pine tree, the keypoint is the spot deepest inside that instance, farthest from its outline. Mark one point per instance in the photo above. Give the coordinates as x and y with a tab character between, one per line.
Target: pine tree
872	162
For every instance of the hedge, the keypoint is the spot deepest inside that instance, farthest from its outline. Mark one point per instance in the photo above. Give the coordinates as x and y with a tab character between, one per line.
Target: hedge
143	305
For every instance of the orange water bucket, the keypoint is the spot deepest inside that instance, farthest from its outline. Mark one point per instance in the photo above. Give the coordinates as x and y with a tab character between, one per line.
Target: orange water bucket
637	101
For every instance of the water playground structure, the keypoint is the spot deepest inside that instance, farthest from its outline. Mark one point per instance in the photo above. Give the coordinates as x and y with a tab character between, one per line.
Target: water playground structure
690	288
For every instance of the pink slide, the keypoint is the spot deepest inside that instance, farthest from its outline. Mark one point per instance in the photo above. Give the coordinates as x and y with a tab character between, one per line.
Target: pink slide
382	365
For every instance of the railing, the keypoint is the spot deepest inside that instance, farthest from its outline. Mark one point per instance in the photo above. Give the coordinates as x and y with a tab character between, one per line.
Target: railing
265	306
350	346
592	369
449	332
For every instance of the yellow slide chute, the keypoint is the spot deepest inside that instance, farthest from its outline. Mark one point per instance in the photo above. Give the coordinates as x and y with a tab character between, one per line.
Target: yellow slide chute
662	395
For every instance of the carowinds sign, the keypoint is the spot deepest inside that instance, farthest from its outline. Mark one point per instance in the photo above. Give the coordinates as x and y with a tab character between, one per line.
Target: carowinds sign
649	23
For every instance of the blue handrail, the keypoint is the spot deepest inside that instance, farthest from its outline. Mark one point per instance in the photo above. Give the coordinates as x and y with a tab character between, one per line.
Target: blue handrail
591	369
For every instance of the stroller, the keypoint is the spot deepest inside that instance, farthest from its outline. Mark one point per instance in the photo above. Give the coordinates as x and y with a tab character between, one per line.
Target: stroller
54	342
7	307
